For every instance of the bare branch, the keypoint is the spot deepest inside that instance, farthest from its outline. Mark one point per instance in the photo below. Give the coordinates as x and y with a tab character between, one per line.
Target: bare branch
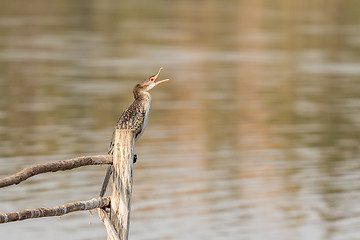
121	188
55	211
53	167
110	229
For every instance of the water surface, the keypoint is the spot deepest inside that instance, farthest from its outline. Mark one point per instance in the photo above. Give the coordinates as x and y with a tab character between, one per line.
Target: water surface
256	136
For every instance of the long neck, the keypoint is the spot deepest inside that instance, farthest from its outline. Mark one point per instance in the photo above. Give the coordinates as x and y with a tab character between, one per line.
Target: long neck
140	95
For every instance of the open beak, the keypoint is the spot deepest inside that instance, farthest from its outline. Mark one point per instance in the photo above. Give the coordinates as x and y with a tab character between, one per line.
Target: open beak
157	75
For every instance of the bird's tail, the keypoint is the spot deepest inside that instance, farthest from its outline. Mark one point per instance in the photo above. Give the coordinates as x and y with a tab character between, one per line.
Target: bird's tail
106	181
111	149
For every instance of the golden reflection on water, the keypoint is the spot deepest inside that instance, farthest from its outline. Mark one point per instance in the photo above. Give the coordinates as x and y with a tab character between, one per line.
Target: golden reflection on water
255	136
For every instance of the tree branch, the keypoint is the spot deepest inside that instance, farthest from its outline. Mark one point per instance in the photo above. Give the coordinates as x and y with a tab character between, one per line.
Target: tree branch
109	227
53	167
55	211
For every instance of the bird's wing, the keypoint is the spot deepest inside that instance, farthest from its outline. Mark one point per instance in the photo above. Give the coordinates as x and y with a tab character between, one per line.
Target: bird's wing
132	118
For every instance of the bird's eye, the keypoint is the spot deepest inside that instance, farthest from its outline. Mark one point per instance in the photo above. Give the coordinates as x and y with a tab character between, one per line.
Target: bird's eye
152	79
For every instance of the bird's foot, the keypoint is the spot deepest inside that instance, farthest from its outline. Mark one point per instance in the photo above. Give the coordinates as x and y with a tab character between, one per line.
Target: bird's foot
135	158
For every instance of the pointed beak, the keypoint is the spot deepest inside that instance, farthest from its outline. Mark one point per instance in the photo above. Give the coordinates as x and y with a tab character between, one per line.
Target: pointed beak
157	75
165	80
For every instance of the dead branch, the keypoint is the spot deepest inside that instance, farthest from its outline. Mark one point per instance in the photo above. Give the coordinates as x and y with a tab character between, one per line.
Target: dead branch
55	211
109	227
121	187
53	167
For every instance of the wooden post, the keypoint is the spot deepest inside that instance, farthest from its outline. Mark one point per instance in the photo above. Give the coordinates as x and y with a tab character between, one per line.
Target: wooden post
121	187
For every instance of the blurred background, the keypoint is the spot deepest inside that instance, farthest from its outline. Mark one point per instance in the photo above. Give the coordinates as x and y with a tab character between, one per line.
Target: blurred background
256	136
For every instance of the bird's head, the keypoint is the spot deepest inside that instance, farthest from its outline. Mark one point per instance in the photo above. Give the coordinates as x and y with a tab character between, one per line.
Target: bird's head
148	83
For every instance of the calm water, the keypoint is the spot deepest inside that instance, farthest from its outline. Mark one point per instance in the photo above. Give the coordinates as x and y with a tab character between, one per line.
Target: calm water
256	136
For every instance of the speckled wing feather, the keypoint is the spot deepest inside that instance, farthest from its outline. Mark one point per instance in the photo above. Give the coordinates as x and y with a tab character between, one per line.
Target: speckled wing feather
132	119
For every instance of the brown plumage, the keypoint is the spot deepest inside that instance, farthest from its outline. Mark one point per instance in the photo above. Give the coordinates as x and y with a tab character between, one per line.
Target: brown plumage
135	117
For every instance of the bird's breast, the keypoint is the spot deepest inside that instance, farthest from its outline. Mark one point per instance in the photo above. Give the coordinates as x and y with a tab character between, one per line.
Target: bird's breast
147	109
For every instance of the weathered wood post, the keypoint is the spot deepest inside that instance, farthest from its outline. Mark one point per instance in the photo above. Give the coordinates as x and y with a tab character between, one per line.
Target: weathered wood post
121	187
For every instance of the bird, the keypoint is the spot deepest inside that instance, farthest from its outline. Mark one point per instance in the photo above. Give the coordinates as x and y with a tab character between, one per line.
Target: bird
135	117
